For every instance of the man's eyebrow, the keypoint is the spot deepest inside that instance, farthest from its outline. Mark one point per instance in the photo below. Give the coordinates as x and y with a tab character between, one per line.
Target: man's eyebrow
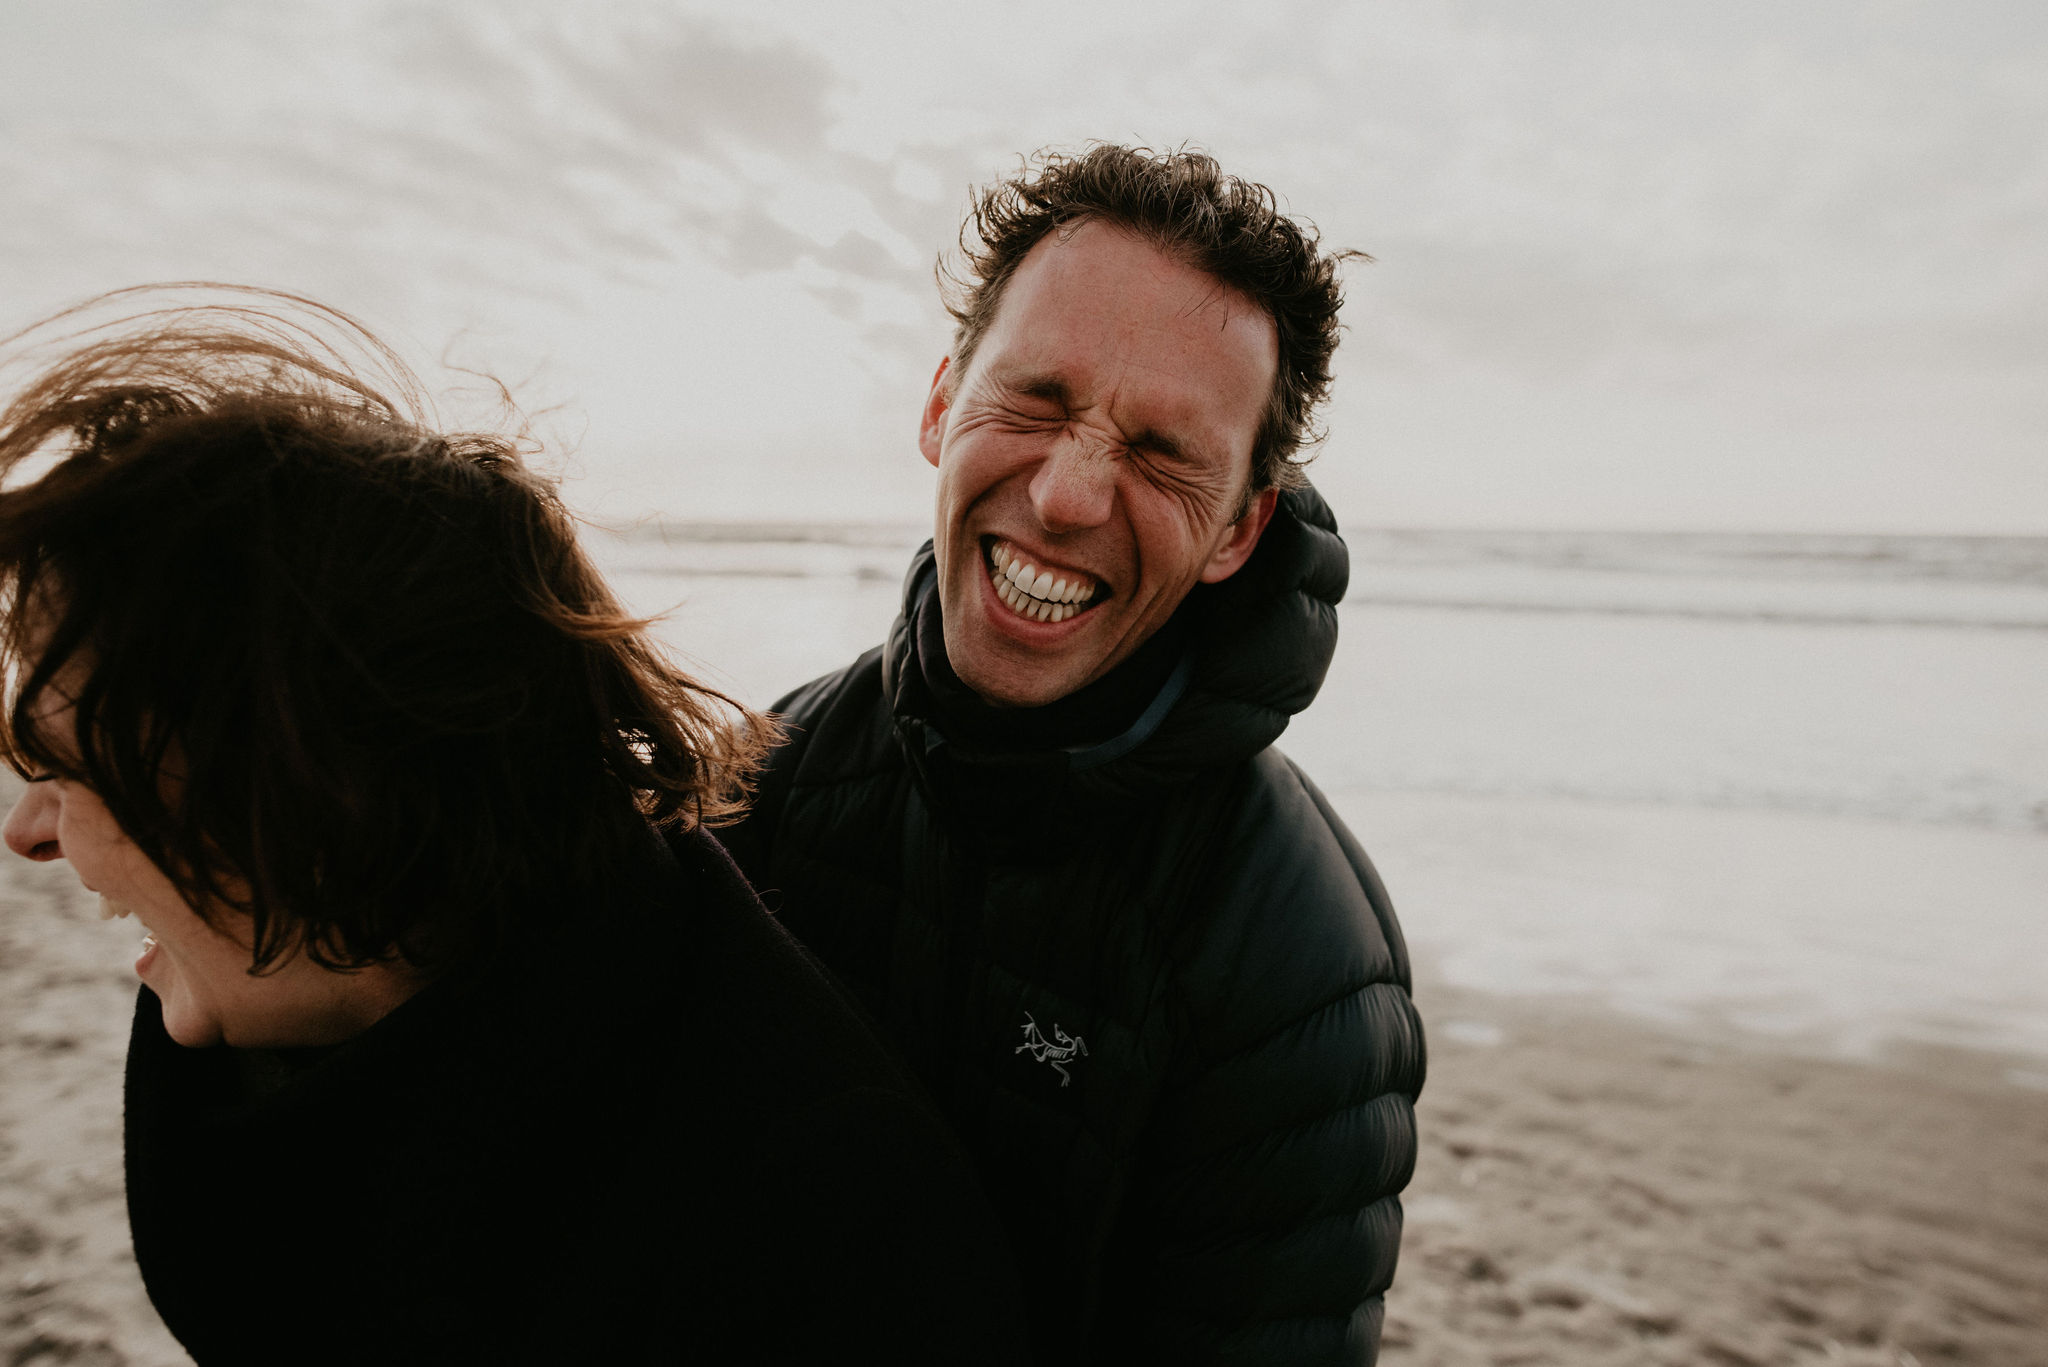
1039	386
1152	440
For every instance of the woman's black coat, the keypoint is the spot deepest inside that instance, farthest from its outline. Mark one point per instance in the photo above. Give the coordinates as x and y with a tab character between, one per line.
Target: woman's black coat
662	1136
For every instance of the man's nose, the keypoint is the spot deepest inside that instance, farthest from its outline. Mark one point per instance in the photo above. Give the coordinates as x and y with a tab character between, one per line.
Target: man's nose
31	829
1075	486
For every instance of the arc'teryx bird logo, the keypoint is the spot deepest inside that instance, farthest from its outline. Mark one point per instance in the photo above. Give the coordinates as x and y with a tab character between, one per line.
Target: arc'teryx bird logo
1057	1051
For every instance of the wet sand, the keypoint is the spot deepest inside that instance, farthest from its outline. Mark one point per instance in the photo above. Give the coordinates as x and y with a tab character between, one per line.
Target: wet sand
1592	1190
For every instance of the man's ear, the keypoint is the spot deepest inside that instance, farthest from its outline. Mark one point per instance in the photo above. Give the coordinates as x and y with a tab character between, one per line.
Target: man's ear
1241	540
931	428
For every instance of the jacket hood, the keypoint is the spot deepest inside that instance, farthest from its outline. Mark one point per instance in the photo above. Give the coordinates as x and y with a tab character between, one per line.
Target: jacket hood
1259	645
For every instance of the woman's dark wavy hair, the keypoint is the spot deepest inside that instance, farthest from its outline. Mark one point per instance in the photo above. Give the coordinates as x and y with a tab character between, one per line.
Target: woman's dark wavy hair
1182	201
324	665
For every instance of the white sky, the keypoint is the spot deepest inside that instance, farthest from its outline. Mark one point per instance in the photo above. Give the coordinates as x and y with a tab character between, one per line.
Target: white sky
1739	264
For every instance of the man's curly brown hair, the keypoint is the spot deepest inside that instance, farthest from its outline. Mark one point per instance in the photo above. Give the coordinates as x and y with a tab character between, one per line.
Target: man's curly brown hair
1182	201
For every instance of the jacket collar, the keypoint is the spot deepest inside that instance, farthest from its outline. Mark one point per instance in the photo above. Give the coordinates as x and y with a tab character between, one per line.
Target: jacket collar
1257	648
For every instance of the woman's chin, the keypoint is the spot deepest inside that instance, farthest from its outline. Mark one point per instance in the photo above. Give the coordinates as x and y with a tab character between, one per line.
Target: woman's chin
184	1023
192	1034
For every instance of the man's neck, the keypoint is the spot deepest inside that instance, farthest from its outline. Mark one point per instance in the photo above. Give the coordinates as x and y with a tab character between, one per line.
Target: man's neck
1094	713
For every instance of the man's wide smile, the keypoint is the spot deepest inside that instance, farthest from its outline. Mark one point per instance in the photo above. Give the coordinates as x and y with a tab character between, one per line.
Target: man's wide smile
1041	594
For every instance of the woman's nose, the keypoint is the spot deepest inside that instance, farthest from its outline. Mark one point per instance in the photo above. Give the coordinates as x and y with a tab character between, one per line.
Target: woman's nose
31	828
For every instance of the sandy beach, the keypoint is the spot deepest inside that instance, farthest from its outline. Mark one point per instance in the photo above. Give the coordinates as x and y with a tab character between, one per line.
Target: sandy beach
1596	1191
1593	1189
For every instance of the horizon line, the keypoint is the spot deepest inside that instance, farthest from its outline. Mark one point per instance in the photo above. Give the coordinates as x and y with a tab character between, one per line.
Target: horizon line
769	529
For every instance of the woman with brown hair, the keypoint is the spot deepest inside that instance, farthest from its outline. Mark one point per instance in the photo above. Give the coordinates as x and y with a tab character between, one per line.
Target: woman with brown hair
460	1037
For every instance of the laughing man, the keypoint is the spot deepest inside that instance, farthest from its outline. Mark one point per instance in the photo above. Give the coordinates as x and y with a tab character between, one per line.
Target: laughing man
1043	834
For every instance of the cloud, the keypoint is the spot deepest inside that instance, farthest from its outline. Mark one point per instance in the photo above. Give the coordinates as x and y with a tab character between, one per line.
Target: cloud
516	146
1684	202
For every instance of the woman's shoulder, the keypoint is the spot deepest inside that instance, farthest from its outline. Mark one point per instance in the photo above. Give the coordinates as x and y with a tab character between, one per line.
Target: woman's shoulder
759	998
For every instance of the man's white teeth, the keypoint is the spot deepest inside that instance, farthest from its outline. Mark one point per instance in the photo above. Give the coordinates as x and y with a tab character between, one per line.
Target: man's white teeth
1032	592
1024	605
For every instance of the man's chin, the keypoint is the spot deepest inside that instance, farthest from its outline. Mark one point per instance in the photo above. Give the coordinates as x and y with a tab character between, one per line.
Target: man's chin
1012	676
1012	688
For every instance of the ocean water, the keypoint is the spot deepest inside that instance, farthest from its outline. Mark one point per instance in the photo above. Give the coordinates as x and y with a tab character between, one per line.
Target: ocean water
1796	783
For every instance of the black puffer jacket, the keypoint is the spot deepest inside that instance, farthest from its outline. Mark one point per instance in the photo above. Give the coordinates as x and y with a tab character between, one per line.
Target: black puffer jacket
1155	982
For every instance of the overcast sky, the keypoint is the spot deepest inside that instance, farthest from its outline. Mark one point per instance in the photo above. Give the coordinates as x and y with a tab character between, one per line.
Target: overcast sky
1770	264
